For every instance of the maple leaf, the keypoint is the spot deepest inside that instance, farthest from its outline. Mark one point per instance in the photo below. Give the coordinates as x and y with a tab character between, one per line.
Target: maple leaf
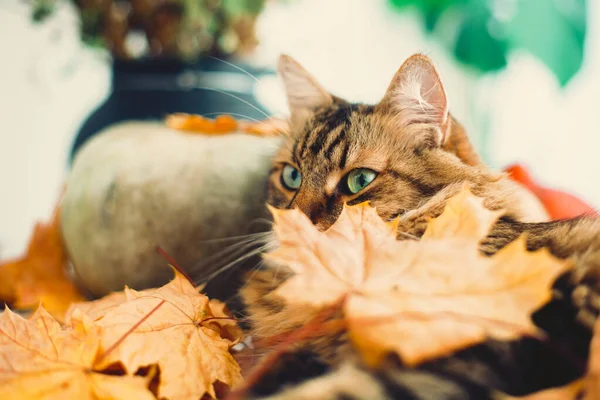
225	124
421	299
97	308
188	337
229	327
40	276
197	123
40	360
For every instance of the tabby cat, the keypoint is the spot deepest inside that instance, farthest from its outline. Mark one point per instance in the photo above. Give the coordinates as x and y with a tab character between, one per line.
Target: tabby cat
406	155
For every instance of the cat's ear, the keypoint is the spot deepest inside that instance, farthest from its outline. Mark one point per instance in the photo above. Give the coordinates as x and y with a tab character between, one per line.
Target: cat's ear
304	93
416	96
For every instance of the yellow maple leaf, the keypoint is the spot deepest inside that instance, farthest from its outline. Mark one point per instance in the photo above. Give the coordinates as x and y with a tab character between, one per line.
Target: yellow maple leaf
421	299
40	276
188	337
40	360
97	308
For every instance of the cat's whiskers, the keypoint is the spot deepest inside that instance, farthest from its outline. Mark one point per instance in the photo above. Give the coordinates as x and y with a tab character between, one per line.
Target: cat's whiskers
269	223
235	97
264	248
246	72
235	67
234	250
231	238
258	243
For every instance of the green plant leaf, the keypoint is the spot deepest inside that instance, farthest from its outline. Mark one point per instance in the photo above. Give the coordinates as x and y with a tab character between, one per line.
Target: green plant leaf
551	30
475	45
431	10
554	32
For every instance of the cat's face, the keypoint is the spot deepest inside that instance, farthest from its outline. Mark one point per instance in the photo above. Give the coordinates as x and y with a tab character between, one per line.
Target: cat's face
392	154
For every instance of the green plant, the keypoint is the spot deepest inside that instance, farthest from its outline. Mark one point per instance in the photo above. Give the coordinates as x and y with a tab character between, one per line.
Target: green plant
481	33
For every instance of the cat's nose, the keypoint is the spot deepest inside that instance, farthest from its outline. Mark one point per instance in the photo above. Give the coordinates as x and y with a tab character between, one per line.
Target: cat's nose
316	211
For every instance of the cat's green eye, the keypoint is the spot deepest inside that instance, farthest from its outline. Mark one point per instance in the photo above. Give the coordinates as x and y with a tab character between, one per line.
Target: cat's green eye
359	179
291	177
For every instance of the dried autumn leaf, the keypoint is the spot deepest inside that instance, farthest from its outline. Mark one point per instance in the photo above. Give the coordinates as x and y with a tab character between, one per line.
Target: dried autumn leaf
229	327
225	124
464	217
96	309
40	360
40	276
188	337
421	299
198	124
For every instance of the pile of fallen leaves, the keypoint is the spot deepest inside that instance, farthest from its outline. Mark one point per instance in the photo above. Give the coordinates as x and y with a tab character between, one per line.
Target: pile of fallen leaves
170	342
421	299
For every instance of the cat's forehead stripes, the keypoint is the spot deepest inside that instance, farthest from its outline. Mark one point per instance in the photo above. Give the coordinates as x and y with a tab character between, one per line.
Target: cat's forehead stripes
328	134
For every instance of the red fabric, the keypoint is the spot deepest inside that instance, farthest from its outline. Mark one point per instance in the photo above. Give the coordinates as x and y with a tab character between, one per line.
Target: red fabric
560	205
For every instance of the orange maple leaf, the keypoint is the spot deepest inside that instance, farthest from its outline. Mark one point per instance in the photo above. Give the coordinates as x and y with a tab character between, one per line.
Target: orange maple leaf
40	360
225	124
188	337
40	276
199	124
421	299
97	308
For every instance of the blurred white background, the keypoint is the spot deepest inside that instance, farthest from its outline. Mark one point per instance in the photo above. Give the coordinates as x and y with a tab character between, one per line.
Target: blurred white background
49	82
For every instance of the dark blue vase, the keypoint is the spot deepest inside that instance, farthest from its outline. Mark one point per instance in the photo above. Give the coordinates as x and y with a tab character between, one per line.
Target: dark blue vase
151	89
